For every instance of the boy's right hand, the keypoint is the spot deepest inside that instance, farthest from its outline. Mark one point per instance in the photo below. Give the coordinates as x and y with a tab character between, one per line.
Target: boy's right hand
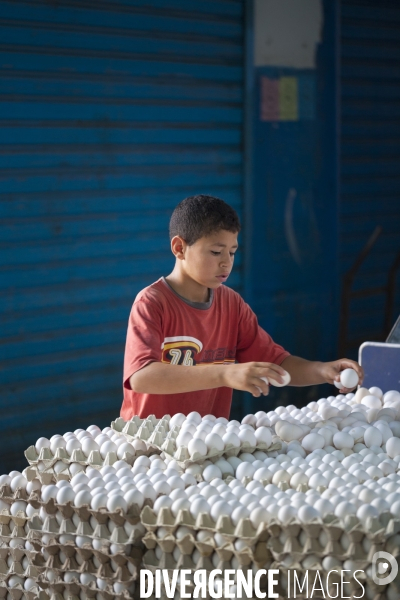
247	376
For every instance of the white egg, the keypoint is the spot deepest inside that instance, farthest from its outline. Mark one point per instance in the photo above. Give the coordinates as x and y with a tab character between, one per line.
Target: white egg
343	440
184	438
49	491
117	502
99	501
149	492
42	443
65	494
197	446
307	513
393	447
318	480
245	469
286	513
72	444
220	508
162	502
231	439
239	513
395	509
313	441
324	507
247	436
89	445
371	402
345	508
214	442
56	443
288	432
18	482
372	437
176	483
219	429
108	447
286	380
365	511
18	506
134	497
75	468
198	506
162	487
212	472
263	435
180	504
376	391
83	498
176	420
349	378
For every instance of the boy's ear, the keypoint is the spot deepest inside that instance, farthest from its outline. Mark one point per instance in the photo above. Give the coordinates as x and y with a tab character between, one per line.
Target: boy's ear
178	246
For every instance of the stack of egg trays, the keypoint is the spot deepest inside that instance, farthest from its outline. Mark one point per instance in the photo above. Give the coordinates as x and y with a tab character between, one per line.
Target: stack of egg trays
119	536
382	533
255	552
49	467
265	544
156	433
16	527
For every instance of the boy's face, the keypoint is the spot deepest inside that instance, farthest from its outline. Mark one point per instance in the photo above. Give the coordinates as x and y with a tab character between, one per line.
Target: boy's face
209	260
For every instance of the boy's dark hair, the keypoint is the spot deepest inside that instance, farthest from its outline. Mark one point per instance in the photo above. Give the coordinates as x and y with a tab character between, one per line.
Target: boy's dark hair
198	216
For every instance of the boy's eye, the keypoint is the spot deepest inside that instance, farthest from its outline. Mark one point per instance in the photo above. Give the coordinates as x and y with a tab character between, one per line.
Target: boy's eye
218	253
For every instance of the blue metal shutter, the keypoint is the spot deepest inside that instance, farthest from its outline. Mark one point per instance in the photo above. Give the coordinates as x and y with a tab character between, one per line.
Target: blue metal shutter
111	113
370	156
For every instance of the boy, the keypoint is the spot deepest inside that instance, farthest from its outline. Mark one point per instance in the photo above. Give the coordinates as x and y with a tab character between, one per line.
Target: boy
190	319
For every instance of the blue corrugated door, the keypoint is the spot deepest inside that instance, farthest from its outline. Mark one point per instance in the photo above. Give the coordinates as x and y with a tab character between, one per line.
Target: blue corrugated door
111	113
370	158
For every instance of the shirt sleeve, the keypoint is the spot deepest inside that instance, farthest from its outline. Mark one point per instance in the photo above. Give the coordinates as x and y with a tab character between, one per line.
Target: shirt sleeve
254	343
143	338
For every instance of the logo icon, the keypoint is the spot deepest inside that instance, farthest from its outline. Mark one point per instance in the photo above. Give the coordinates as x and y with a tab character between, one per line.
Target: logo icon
381	564
180	350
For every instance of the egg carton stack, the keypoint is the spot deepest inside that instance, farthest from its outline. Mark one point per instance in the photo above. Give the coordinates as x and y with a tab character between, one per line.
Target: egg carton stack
194	540
329	496
193	440
63	456
18	577
333	497
227	546
90	534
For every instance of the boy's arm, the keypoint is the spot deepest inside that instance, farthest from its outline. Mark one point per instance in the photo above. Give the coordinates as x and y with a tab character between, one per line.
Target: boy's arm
308	372
161	378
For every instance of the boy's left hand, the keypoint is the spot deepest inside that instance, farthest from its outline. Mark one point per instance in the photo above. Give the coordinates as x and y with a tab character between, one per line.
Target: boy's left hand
331	371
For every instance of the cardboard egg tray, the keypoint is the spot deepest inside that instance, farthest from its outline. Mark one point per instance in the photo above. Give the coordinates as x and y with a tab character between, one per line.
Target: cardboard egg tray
85	512
244	529
104	572
17	555
58	587
381	536
52	527
46	460
267	542
156	433
7	495
19	593
189	543
17	569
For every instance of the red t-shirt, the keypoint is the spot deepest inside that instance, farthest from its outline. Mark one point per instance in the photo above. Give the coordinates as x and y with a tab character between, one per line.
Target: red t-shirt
164	327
